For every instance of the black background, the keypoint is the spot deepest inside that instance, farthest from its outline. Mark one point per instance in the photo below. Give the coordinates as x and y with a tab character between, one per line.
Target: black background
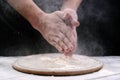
98	33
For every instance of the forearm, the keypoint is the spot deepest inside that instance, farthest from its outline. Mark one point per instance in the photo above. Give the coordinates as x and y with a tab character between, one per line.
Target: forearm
72	4
27	8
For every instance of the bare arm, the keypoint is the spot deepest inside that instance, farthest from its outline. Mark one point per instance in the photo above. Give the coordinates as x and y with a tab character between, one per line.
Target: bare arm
69	8
28	9
52	25
72	4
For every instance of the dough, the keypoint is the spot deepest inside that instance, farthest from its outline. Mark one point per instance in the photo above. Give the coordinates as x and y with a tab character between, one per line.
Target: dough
57	64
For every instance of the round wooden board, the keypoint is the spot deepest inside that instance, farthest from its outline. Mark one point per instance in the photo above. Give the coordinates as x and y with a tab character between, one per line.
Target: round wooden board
57	64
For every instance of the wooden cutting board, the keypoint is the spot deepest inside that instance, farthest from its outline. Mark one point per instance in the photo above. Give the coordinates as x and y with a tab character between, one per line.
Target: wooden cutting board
57	64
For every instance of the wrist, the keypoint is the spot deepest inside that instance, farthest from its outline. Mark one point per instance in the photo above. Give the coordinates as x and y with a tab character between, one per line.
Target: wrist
68	8
36	19
72	4
71	11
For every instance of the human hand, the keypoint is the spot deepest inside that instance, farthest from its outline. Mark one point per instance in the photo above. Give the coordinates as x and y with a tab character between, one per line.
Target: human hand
71	20
71	16
59	29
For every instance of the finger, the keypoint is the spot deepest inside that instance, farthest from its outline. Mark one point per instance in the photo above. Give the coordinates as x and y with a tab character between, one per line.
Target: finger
69	44
53	40
75	34
63	46
68	34
75	23
67	19
65	42
58	42
67	16
68	54
70	21
74	39
57	47
73	43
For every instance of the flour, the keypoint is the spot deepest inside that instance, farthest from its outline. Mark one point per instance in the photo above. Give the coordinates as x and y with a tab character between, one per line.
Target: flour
57	62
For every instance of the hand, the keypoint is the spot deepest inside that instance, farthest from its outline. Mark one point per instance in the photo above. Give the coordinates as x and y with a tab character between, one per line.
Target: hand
71	19
72	16
58	29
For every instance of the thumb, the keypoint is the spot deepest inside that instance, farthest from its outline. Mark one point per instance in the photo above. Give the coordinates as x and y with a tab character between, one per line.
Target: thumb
75	23
70	21
67	19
